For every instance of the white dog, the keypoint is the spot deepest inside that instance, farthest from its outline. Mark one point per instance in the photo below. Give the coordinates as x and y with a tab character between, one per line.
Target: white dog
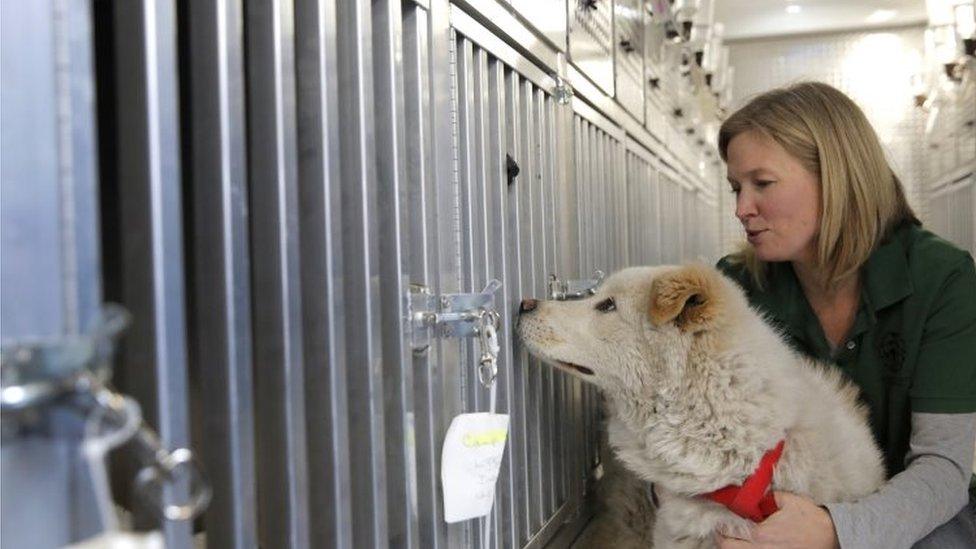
701	391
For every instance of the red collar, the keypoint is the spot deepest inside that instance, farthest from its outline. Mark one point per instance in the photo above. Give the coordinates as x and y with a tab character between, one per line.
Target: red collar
753	500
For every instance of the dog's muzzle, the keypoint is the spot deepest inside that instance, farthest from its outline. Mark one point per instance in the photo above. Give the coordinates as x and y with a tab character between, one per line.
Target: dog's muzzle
528	305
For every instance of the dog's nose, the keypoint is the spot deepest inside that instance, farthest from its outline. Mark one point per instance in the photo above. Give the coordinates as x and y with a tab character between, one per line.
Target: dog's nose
528	305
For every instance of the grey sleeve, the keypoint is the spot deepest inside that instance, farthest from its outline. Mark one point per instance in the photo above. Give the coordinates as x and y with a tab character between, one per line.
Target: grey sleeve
931	490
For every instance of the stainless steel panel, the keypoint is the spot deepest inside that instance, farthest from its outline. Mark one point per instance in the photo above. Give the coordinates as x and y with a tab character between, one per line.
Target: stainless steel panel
552	459
401	488
498	195
628	23
279	359
49	257
471	82
445	91
547	16
642	214
422	269
516	221
591	40
154	359
221	341
33	298
532	254
516	472
361	274
322	268
52	288
373	142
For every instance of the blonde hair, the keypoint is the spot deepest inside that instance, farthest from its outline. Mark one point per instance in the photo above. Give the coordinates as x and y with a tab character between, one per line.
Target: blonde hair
862	199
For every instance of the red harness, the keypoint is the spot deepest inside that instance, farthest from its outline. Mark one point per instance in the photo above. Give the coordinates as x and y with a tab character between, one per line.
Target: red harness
752	500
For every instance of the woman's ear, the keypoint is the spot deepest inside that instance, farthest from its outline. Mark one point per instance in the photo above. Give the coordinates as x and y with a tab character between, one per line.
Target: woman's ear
688	296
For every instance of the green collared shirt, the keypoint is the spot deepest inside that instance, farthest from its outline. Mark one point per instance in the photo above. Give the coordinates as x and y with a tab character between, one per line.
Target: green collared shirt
912	347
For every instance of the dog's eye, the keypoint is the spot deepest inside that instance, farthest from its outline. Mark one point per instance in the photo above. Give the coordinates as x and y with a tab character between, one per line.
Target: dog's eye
606	305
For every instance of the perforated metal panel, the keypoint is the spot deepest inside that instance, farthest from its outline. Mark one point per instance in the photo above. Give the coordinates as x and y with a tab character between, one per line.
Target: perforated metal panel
591	45
629	58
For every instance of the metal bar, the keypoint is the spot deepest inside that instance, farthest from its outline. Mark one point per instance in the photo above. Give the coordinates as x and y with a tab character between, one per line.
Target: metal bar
322	268
479	274
480	258
470	146
540	229
548	265
278	349
393	240
518	240
445	265
585	202
655	213
622	230
518	446
79	171
361	261
222	335
531	251
154	359
496	217
634	201
421	269
598	213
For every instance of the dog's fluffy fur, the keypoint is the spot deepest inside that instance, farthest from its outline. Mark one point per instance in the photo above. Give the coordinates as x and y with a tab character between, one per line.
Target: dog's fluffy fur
698	388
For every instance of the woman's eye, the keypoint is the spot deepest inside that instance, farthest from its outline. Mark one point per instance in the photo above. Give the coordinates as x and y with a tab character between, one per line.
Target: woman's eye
763	183
606	305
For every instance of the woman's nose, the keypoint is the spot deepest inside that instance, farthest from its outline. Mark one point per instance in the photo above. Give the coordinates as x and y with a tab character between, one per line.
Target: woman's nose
745	205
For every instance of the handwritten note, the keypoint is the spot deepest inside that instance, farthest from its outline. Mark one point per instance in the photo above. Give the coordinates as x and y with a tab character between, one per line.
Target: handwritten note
472	455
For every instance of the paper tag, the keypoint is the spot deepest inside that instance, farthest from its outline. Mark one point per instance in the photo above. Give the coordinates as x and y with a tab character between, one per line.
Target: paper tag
472	455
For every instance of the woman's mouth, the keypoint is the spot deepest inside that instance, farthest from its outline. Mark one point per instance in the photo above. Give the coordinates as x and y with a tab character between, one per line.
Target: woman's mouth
753	236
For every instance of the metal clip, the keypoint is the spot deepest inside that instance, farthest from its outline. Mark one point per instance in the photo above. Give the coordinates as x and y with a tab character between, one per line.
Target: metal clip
177	471
574	289
488	342
452	315
562	91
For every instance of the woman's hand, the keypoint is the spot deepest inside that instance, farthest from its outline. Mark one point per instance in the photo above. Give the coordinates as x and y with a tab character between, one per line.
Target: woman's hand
799	523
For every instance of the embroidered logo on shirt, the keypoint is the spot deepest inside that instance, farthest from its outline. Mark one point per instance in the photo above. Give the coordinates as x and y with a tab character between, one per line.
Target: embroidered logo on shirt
891	349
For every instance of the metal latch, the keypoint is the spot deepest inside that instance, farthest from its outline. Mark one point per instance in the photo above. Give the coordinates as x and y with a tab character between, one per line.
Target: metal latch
75	370
451	315
562	91
574	289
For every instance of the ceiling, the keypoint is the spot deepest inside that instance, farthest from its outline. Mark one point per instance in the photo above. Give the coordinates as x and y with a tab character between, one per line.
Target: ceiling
758	18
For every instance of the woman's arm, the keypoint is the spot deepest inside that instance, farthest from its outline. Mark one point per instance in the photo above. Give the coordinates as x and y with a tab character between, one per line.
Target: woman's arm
929	492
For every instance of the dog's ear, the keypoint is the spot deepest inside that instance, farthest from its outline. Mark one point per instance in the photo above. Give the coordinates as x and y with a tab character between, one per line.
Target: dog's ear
688	296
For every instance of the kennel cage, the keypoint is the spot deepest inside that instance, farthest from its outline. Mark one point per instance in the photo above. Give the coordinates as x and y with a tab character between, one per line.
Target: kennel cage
278	193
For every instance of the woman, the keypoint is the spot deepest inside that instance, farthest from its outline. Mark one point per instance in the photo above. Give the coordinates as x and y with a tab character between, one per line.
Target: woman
840	263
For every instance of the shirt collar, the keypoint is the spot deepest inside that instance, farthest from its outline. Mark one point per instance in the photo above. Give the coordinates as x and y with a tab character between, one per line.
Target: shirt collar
885	282
886	274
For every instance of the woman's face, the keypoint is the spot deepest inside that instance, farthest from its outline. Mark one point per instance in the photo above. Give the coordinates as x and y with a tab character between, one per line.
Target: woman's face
777	199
